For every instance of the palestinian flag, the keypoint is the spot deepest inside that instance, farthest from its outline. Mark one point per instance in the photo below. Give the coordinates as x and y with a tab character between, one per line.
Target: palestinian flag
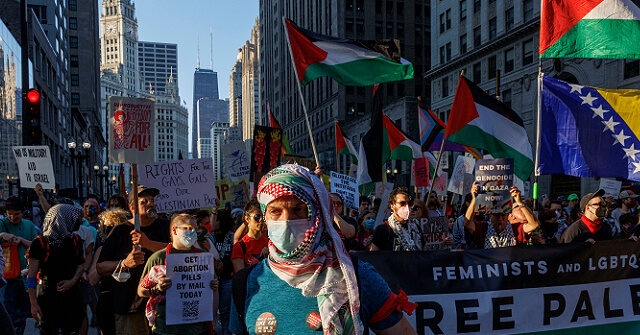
483	122
589	29
344	146
286	147
351	63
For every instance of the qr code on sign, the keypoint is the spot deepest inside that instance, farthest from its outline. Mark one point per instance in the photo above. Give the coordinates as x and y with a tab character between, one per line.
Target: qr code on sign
190	309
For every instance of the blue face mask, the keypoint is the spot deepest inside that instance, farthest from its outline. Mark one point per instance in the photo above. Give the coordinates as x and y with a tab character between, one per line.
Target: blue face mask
189	238
287	235
369	223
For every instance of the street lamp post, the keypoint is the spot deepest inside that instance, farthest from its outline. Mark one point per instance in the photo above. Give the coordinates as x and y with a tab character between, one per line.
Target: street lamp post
76	155
102	178
105	176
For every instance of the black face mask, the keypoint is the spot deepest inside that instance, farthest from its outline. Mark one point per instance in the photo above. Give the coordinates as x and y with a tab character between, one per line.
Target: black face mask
602	212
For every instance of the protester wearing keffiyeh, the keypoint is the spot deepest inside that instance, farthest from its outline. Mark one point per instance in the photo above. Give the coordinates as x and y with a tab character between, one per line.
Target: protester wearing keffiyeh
61	221
320	266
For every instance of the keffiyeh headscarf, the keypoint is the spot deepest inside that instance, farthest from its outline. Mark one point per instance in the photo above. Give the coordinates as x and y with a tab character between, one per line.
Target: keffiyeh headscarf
320	266
60	222
409	234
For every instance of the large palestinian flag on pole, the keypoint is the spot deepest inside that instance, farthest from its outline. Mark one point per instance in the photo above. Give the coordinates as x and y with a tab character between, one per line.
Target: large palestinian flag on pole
349	62
589	29
480	121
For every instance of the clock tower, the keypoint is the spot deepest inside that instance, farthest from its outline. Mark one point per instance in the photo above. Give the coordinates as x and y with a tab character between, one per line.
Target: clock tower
119	42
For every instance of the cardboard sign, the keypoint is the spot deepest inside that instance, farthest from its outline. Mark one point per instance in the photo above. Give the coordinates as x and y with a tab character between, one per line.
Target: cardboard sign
434	230
132	130
183	184
421	171
232	193
495	177
35	166
611	187
347	187
440	184
384	189
308	163
464	165
236	161
267	147
190	297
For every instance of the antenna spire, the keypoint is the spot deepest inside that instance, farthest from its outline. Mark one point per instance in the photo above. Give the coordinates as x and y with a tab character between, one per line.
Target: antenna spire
211	48
198	51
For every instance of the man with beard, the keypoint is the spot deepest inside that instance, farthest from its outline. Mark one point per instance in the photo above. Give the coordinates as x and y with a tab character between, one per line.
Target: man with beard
589	227
125	251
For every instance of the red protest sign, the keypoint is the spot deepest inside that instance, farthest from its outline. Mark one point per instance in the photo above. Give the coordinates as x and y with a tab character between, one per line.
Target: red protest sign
421	171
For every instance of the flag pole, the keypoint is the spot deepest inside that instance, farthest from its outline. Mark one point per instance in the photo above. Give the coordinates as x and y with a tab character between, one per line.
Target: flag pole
335	132
297	79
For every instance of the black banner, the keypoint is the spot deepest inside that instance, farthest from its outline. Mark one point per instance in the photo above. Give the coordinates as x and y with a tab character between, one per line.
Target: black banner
266	150
519	289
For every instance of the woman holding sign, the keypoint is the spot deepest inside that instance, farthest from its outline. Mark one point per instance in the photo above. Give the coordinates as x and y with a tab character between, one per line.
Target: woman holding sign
155	283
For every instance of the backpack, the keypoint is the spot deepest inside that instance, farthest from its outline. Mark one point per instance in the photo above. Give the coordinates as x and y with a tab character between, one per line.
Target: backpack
239	290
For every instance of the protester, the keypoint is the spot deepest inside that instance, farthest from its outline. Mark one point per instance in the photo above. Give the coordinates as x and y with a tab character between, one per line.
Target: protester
5	319
629	226
365	205
117	201
628	201
551	227
573	201
120	252
345	225
87	235
203	218
589	227
458	231
502	229
367	226
434	206
222	237
299	220
418	210
56	260
252	248
91	211
17	234
155	283
399	233
3	208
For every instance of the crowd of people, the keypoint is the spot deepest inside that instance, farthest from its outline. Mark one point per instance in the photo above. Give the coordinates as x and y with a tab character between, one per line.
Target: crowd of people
281	261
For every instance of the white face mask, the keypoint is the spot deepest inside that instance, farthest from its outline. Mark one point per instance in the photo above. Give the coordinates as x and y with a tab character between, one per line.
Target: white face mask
403	212
287	235
120	276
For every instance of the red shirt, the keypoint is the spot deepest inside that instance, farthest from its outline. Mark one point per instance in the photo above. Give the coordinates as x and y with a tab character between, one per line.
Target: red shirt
253	249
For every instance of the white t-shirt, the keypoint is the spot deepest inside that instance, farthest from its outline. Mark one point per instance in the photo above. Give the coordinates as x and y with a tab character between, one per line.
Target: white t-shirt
86	235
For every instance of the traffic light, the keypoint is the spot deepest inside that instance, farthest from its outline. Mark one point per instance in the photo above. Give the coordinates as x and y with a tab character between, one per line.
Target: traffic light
32	133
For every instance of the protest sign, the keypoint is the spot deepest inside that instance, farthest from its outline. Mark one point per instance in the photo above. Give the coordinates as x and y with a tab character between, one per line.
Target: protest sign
464	165
440	184
434	231
421	171
347	187
232	193
494	177
308	163
383	190
267	147
590	289
131	130
183	184
34	166
236	161
190	297
610	186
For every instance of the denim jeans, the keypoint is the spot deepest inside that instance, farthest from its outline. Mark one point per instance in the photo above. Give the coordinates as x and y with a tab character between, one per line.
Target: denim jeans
224	305
16	301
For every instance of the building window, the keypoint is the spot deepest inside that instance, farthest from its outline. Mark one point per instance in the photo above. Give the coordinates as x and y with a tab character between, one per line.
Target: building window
75	80
448	18
73	4
73	23
477	73
73	42
508	60
527	52
508	19
463	44
73	59
506	97
75	98
448	51
631	68
492	67
476	6
443	55
442	23
493	27
527	10
477	37
445	21
445	87
463	10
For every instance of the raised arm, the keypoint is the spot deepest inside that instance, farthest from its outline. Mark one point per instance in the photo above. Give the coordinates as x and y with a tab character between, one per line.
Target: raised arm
469	222
532	223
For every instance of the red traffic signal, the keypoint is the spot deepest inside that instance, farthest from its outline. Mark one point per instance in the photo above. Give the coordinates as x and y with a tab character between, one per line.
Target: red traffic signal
33	96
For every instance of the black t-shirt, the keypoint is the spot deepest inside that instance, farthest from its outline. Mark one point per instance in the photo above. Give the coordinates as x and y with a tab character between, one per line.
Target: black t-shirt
57	263
116	248
224	246
384	238
578	232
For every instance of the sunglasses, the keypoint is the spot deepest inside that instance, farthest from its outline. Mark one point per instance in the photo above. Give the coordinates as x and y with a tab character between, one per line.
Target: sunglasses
257	217
187	228
597	204
404	203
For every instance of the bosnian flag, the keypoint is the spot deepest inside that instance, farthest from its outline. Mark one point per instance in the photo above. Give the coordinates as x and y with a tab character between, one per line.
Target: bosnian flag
349	62
480	121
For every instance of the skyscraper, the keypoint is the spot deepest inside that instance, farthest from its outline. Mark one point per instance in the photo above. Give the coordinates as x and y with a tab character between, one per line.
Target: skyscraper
119	41
208	111
235	101
205	85
250	57
157	62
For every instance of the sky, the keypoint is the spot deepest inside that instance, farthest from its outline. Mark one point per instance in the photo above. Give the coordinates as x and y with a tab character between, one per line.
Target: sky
179	22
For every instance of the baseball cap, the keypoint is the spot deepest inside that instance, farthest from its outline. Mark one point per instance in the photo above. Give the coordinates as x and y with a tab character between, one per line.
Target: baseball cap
585	200
14	204
627	194
144	190
572	196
